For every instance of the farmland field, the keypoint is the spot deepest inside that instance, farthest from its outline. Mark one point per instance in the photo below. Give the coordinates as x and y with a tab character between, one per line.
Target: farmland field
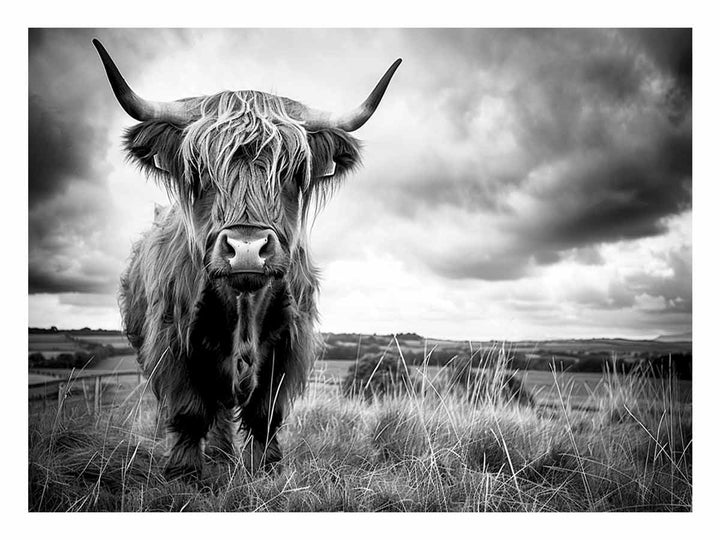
71	340
593	442
113	340
52	343
548	386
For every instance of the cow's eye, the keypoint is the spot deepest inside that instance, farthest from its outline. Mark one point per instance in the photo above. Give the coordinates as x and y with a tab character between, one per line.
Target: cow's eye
293	185
298	180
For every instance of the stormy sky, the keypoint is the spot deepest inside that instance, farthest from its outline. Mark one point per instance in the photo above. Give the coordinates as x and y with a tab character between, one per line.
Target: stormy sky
516	183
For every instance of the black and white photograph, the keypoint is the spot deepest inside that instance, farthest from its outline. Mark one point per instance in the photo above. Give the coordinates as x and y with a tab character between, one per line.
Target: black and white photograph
360	269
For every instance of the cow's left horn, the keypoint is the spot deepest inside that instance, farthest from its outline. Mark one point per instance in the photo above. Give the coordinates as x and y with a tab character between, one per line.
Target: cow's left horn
350	121
176	112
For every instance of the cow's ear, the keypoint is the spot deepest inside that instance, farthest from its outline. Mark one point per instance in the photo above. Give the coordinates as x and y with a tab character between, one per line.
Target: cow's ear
154	147
334	154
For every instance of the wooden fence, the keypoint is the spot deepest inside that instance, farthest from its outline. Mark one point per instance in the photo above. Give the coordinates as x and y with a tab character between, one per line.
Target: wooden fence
66	381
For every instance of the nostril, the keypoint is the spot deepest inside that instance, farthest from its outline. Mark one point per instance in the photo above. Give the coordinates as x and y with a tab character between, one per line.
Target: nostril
266	248
227	249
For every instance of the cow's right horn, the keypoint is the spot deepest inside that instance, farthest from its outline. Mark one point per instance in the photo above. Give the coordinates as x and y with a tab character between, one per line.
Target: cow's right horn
175	112
350	121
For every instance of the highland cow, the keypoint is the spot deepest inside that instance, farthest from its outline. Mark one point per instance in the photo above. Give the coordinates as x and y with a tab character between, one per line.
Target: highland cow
219	296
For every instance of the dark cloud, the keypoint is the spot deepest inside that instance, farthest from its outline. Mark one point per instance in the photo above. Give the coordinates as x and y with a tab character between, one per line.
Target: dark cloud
75	241
615	79
71	235
67	193
596	154
670	49
62	149
615	196
69	100
41	280
439	183
65	141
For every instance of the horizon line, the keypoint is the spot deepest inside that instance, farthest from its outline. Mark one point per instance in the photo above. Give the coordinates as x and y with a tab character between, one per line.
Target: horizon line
679	337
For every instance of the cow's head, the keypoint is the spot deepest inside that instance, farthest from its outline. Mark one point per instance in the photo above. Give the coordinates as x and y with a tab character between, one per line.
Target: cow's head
245	168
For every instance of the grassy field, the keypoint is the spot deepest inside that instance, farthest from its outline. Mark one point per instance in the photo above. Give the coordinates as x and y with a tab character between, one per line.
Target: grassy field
436	450
51	343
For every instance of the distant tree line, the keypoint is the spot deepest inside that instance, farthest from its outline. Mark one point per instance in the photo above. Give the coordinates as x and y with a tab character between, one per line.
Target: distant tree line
69	360
649	364
87	356
84	330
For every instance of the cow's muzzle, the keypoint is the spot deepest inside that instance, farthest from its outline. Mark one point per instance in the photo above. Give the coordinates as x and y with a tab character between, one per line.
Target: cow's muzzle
245	253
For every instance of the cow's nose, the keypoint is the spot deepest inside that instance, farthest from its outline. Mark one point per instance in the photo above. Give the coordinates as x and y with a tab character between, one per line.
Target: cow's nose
246	249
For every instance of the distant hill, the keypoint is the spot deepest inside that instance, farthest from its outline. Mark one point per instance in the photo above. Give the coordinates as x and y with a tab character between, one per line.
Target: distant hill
661	344
579	355
662	355
669	338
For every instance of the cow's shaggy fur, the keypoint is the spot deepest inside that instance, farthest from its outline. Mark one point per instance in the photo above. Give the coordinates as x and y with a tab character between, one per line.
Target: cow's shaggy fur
215	358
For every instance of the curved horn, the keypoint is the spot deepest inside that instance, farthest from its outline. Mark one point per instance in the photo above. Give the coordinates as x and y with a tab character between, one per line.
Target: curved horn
137	107
350	121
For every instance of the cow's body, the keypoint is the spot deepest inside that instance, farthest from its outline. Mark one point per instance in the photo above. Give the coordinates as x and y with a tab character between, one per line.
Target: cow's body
219	296
185	344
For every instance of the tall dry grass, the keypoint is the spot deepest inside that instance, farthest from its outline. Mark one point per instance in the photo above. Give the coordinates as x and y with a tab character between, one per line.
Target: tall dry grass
424	447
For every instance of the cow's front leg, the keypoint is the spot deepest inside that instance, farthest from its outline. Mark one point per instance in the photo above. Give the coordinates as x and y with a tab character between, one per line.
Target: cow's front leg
188	424
203	386
262	450
220	448
262	417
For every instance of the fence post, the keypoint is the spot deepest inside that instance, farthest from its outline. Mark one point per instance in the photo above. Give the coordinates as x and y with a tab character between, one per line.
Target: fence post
61	399
61	394
98	386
